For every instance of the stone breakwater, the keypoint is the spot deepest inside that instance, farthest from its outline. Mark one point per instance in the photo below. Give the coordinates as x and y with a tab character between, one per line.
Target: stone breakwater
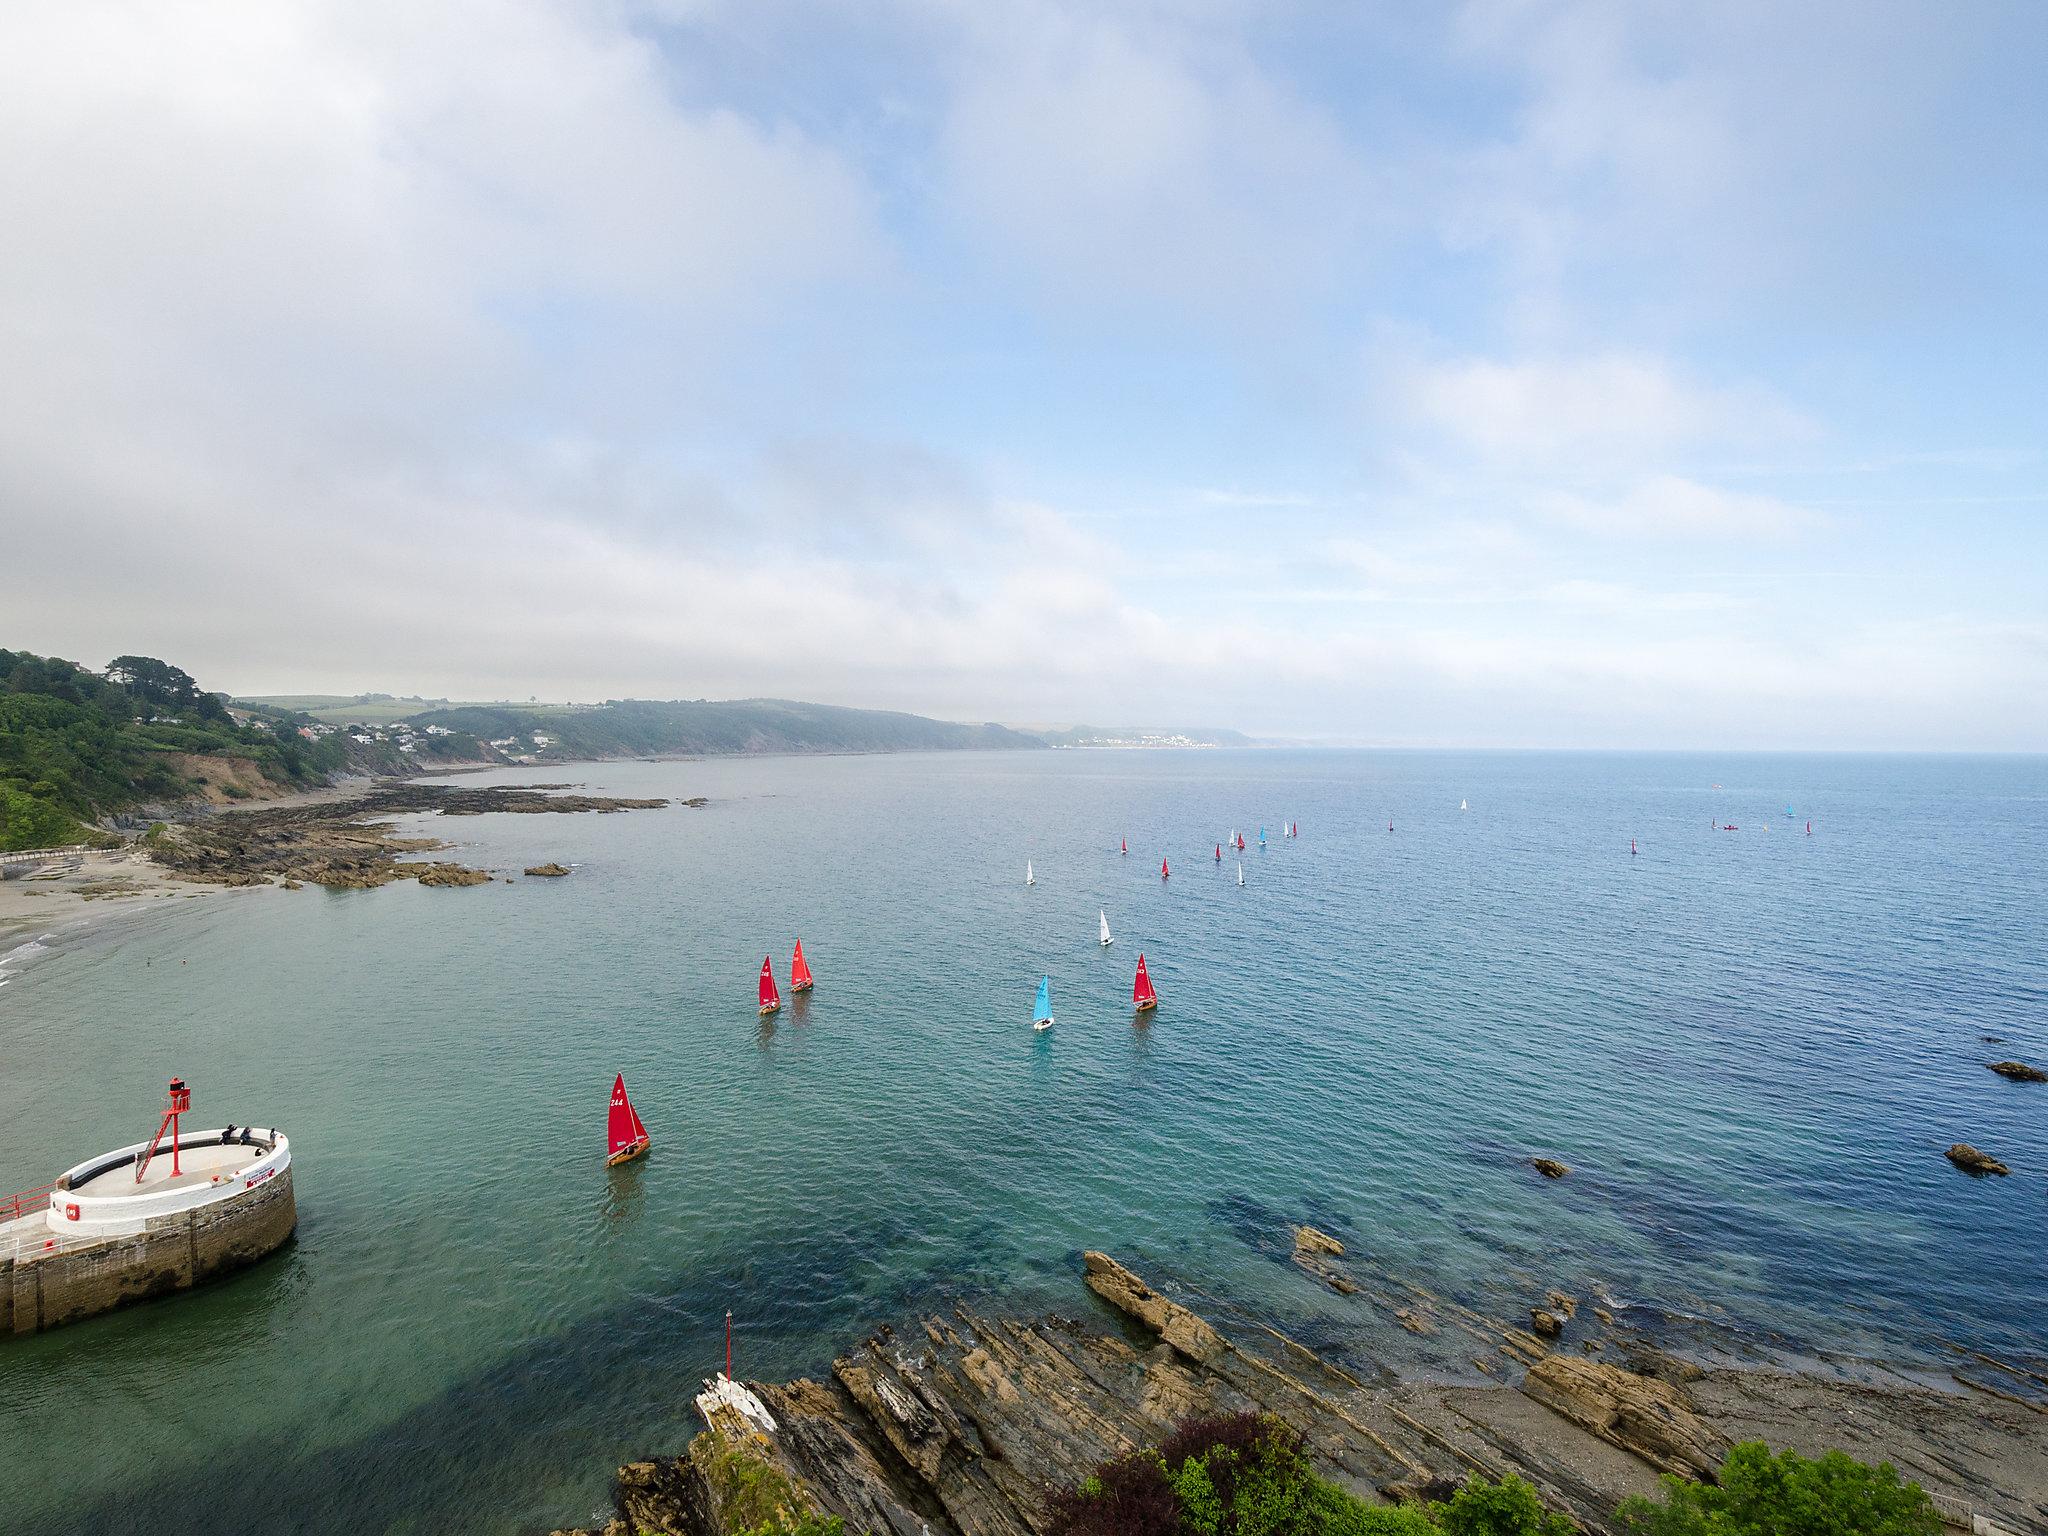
45	1287
968	1424
347	843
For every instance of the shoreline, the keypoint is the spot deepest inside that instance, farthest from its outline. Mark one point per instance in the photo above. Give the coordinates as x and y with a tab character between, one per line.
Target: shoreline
968	1422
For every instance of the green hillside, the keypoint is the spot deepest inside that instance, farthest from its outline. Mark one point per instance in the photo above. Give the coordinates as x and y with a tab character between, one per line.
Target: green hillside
77	745
642	728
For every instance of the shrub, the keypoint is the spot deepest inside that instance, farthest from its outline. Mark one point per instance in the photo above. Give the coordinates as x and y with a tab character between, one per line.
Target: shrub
1127	1497
1509	1507
1787	1495
1240	1475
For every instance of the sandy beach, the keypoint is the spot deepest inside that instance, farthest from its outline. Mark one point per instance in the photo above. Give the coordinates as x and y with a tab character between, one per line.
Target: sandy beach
68	894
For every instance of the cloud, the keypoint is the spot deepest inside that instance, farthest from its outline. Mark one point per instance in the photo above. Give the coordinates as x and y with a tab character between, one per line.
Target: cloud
1667	506
1607	403
1106	164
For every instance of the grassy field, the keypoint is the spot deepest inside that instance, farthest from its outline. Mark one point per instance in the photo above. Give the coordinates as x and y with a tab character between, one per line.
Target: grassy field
339	709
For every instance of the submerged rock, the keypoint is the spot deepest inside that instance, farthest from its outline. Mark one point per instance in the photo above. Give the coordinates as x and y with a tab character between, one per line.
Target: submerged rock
453	874
1970	1160
2019	1072
1546	1323
550	870
1549	1167
1309	1240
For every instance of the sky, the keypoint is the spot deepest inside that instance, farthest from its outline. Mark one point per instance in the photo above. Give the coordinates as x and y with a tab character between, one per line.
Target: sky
1516	373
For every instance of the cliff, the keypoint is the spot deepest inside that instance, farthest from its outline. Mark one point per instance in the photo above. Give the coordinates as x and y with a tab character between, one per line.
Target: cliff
969	1424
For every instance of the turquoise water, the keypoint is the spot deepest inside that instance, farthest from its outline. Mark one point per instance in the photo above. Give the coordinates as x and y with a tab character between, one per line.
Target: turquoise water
1752	1046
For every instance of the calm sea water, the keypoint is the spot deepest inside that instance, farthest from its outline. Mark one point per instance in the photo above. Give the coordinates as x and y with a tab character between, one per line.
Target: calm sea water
1752	1046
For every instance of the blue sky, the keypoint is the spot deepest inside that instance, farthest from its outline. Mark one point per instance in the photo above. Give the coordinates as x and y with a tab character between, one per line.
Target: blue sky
1512	373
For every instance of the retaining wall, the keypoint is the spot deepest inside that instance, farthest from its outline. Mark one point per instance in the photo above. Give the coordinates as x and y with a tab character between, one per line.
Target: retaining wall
173	1253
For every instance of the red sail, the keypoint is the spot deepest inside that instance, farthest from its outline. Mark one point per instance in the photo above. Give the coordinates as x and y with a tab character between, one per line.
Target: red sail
623	1129
1123	845
1163	872
799	969
770	998
1240	842
1219	853
1141	990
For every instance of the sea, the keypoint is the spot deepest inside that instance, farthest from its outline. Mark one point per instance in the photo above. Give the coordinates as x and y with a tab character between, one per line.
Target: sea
1751	1041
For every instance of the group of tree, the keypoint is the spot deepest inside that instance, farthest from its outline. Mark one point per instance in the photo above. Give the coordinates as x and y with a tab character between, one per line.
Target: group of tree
1250	1475
77	745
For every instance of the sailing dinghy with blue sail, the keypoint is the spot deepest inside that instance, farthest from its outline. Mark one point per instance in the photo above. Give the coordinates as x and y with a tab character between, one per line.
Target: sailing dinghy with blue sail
1041	1016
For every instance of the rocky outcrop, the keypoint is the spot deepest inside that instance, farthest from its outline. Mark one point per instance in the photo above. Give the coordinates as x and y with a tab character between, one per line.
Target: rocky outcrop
453	874
1970	1160
968	1424
550	870
1545	1323
347	843
1313	1250
1549	1167
2019	1072
1645	1417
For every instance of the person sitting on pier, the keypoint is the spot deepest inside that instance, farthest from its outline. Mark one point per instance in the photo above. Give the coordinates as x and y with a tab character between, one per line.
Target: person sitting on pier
247	1139
228	1135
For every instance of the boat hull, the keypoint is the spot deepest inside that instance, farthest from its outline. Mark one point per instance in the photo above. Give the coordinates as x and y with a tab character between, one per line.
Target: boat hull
1040	1024
803	986
768	1008
629	1154
1147	1007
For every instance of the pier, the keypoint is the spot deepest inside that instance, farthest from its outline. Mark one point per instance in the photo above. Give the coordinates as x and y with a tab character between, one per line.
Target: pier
144	1221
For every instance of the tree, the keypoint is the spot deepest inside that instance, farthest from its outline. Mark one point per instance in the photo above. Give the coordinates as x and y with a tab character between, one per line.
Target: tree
155	682
1787	1495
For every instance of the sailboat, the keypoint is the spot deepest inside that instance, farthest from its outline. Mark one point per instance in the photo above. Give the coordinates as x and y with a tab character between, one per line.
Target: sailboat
1164	872
1106	939
800	970
1219	853
1463	806
1262	837
1240	874
1631	847
1240	842
1029	878
1143	998
1123	845
771	1000
625	1136
1041	1016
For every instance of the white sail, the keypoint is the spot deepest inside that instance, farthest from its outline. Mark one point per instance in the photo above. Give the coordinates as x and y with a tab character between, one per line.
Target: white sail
1106	939
1463	806
1240	874
1029	878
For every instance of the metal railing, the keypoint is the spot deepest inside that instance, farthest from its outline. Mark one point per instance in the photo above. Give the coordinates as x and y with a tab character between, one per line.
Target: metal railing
34	855
30	1202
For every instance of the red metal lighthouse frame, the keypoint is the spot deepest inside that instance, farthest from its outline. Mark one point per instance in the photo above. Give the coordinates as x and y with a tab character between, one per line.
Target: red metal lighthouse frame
179	1100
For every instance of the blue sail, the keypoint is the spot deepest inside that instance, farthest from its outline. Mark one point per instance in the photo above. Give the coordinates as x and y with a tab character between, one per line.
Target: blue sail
1044	1009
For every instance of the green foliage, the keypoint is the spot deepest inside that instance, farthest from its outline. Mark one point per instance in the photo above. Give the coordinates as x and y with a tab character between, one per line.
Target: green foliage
641	728
26	822
757	1499
80	746
1241	1476
807	1524
1509	1507
1787	1495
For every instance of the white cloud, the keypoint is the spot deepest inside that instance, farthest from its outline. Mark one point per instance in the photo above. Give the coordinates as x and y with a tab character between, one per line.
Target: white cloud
1108	165
1608	403
1668	506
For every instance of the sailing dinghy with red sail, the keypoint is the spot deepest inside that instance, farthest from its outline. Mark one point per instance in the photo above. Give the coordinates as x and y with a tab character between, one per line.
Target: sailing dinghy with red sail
800	970
1164	872
625	1136
1143	998
771	1000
